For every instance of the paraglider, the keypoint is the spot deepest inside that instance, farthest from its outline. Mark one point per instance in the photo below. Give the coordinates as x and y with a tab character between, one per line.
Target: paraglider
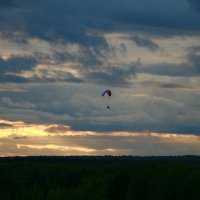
108	93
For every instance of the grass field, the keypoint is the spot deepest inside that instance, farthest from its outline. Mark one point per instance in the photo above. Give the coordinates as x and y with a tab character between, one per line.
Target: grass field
100	178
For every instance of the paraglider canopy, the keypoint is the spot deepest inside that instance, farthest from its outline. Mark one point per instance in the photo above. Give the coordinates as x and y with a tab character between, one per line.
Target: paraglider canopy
108	92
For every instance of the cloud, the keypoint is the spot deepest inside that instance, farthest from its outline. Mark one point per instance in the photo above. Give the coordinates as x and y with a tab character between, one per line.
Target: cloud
113	75
194	4
11	88
57	139
115	143
57	129
144	42
191	67
16	64
12	70
6	101
82	107
88	27
54	77
13	66
7	4
54	19
5	125
169	69
8	78
52	24
194	57
167	85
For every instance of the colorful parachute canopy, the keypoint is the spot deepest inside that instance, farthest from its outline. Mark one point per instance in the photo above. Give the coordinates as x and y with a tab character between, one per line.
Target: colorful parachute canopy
108	92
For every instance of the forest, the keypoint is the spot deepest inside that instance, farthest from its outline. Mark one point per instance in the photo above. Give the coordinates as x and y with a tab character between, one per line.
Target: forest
100	178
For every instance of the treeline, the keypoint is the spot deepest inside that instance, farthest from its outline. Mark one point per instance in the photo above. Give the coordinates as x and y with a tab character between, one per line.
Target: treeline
100	178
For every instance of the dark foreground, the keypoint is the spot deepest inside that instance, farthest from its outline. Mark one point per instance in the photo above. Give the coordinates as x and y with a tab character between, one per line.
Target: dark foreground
100	178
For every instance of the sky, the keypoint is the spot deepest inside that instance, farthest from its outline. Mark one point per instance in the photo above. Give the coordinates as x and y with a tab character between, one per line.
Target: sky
57	56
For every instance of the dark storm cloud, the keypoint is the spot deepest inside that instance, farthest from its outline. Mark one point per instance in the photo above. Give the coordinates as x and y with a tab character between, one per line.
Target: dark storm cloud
54	22
75	22
145	42
195	4
6	4
163	18
17	64
13	65
85	24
